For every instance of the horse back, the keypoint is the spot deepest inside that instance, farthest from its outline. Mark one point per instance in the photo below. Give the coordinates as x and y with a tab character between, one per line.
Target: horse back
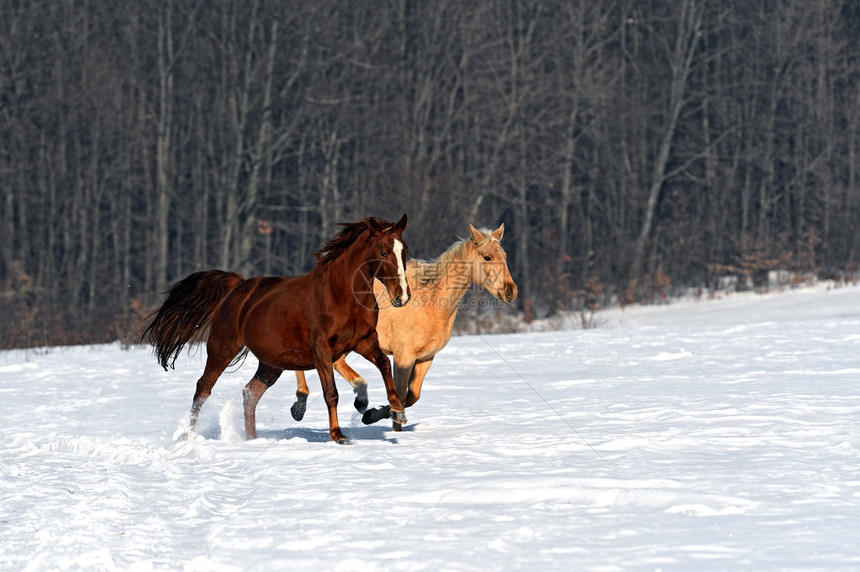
265	314
280	319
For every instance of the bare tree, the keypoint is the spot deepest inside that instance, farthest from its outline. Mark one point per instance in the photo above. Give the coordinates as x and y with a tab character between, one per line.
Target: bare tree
680	56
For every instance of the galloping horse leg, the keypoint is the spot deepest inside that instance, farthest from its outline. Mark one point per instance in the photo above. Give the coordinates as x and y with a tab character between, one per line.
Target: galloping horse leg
413	393
302	392
402	373
326	373
416	381
359	388
216	362
265	378
202	392
376	414
359	385
369	349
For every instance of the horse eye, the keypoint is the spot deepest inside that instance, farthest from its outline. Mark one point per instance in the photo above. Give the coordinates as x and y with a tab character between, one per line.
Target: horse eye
384	253
487	258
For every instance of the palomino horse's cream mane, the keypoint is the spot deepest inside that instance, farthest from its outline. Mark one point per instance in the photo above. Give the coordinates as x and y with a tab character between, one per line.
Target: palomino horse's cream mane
429	272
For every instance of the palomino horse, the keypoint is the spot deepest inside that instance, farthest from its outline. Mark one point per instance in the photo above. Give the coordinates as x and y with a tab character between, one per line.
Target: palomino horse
414	334
290	323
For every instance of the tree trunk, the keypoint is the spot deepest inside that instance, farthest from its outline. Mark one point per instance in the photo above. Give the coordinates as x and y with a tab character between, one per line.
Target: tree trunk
681	60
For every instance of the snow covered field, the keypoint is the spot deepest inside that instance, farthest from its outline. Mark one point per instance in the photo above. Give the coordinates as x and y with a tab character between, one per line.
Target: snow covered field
712	435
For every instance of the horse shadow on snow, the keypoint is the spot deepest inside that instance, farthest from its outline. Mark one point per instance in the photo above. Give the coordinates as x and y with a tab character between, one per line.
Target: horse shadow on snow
356	434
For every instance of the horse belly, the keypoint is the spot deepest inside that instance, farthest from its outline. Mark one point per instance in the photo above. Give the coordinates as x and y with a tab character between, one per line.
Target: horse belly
274	331
289	357
347	339
429	350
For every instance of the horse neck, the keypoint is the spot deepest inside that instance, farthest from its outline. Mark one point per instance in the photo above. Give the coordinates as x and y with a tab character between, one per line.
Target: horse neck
453	276
340	274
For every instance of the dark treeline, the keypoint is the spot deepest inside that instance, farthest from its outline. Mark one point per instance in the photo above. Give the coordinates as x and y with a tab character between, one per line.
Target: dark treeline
628	145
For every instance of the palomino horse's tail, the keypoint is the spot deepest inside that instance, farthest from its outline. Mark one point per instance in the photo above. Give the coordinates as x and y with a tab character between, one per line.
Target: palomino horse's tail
184	316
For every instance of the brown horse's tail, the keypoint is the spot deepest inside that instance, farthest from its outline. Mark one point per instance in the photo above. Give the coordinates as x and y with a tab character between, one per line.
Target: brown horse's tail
184	316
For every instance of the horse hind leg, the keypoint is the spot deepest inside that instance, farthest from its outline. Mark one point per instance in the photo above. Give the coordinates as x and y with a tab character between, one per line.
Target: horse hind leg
376	414
201	394
221	349
359	388
213	370
265	378
359	385
302	392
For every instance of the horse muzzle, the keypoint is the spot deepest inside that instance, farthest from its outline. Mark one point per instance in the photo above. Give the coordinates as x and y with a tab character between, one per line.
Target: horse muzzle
400	300
508	293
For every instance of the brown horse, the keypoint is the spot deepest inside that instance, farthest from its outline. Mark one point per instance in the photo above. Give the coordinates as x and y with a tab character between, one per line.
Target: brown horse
290	323
414	334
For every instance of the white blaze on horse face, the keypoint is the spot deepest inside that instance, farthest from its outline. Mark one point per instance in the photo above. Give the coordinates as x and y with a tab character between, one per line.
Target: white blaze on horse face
401	269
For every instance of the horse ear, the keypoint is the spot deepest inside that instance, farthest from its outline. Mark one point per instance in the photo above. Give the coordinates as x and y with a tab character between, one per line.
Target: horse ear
401	224
477	237
499	232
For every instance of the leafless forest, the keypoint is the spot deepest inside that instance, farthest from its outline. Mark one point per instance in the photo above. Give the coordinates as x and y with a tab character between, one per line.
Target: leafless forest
631	147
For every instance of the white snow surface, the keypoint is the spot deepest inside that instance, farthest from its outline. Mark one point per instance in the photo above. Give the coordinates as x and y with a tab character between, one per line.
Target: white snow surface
699	435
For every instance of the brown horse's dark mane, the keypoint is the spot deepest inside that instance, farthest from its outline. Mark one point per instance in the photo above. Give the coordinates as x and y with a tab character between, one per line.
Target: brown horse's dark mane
338	243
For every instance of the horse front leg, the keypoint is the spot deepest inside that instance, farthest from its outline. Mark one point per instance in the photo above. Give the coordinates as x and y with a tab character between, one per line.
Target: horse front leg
408	379
323	363
419	371
402	372
369	348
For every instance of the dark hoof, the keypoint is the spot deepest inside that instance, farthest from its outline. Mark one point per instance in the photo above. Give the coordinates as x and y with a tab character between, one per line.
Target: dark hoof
299	407
395	426
376	414
344	441
360	404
